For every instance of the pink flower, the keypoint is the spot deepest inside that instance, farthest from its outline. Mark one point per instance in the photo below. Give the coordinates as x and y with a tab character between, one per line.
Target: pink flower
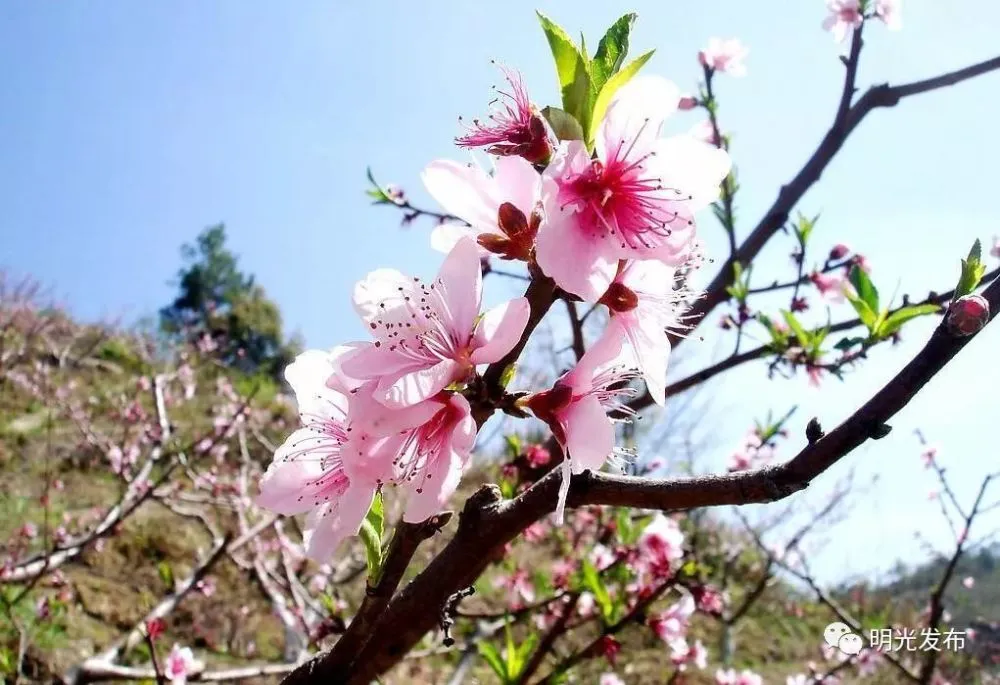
839	251
535	532
968	582
968	314
710	600
206	586
740	460
562	569
425	448
585	605
179	665
929	455
537	456
831	286
502	210
995	250
724	56
514	128
636	200
889	11
661	543
845	16
519	587
682	654
602	557
308	472
428	336
611	679
644	305
672	624
576	409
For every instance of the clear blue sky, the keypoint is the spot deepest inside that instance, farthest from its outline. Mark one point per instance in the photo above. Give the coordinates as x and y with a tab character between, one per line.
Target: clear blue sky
127	127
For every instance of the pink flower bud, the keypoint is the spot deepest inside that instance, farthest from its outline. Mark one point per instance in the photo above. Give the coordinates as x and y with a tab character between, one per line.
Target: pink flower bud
687	102
839	251
968	314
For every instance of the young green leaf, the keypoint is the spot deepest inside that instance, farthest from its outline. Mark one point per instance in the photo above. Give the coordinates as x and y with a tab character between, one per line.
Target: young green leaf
563	124
513	445
800	333
864	287
491	656
592	581
972	271
896	320
847	343
611	51
608	90
868	317
371	532
573	70
376	193
166	573
524	651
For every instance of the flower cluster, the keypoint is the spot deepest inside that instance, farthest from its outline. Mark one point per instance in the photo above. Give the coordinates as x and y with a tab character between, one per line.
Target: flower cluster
610	223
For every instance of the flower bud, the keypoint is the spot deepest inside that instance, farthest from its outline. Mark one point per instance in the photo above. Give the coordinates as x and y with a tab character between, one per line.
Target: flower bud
687	102
967	315
839	251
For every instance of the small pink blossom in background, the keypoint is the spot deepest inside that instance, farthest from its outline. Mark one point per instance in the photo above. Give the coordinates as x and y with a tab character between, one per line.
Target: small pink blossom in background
798	679
710	600
28	530
867	662
206	586
602	557
42	609
611	679
562	569
814	374
535	532
672	624
932	495
731	677
890	12
724	56
970	633
968	582
682	654
636	200
845	16
537	456
740	461
860	261
428	336
839	251
180	663
661	544
929	455
995	250
514	128
518	586
585	605
831	286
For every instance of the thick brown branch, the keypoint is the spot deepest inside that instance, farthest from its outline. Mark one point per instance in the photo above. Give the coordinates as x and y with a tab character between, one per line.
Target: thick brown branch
488	522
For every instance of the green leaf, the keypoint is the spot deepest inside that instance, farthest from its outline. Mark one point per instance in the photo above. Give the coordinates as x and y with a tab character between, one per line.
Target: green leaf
972	272
611	51
563	124
513	444
592	581
800	333
524	651
573	71
864	287
779	340
804	228
865	313
372	529
608	90
896	320
491	655
166	573
375	192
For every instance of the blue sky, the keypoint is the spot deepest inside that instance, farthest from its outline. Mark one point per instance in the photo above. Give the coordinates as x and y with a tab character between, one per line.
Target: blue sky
128	127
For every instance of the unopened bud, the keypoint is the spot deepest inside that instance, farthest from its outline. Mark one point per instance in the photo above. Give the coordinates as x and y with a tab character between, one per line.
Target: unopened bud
687	102
967	315
494	243
839	251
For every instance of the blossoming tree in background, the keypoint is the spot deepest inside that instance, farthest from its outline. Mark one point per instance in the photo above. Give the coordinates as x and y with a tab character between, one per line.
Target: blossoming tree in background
596	210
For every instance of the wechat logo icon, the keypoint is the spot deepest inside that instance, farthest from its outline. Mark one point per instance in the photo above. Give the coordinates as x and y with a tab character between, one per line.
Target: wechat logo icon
839	635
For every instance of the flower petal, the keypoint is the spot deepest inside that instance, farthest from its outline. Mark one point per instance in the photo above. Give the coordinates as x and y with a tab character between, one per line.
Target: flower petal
635	117
521	185
464	190
691	166
445	236
590	435
380	299
329	525
648	338
499	330
292	481
429	495
461	282
416	386
577	262
307	376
